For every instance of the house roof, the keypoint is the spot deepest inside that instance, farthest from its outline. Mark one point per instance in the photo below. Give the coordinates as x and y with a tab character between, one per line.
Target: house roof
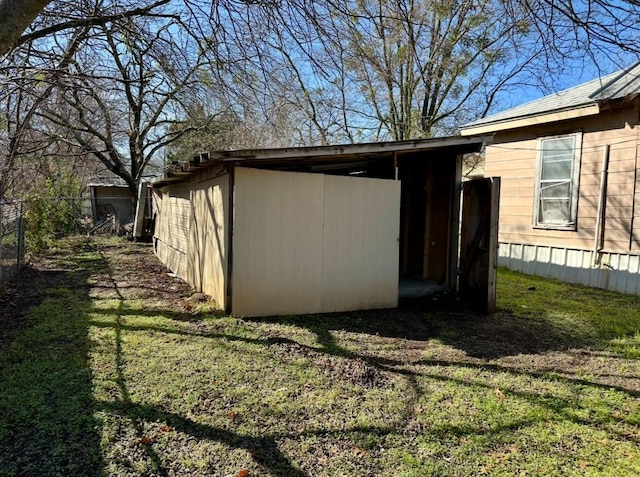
582	100
320	158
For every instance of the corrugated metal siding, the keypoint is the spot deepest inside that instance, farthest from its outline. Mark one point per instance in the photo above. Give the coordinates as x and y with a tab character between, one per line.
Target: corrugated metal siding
619	271
310	243
208	241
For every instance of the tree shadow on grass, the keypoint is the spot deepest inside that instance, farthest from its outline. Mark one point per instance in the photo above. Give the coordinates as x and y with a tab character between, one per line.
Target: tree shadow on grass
446	319
46	401
264	450
558	407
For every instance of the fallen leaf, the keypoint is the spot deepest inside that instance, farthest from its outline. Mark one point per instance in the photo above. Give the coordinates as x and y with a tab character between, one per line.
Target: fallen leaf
242	473
147	440
359	452
231	415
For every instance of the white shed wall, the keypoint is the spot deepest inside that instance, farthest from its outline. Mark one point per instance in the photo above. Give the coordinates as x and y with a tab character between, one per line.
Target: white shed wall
311	243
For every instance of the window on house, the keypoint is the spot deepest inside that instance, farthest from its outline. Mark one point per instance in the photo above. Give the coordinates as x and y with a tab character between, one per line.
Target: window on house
557	187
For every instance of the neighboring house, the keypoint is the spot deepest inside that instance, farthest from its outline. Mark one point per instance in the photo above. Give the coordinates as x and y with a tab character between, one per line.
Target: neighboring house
324	229
570	200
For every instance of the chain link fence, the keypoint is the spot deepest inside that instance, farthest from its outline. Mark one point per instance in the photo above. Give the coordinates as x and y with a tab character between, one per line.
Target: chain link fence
112	216
31	226
12	243
105	215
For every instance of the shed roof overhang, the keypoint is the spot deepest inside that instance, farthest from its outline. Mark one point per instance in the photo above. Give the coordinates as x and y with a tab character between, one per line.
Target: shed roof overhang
321	158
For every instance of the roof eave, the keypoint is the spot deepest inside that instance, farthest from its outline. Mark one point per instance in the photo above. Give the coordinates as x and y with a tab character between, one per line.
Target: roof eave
345	149
256	157
585	110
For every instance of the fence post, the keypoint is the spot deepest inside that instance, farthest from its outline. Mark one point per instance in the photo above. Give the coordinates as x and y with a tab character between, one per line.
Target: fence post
1	241
20	232
138	224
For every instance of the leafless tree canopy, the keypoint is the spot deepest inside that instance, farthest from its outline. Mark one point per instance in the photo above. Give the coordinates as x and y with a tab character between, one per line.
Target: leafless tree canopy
128	84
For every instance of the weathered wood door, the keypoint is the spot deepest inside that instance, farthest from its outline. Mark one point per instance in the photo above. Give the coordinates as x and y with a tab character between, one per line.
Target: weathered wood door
479	243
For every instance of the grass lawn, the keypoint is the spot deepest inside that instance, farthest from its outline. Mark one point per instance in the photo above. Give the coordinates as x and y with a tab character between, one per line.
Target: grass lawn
108	366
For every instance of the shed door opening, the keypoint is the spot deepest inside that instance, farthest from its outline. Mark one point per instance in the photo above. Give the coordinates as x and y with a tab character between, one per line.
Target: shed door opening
426	212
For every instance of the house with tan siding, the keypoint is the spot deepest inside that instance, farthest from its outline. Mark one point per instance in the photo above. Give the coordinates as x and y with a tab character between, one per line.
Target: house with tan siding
570	196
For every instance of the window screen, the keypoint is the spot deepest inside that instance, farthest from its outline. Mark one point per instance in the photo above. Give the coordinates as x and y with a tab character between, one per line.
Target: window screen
556	187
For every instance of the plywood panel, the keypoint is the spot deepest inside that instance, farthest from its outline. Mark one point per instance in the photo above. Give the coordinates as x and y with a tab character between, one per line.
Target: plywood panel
277	242
309	243
360	243
208	240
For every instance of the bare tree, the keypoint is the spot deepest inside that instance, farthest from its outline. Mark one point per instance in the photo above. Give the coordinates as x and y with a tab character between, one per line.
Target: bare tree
26	90
15	18
124	95
25	21
122	78
373	69
592	28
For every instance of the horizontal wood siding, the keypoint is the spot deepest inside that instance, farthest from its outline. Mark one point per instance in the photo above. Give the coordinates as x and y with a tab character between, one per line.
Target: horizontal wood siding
635	228
513	157
310	243
208	237
172	229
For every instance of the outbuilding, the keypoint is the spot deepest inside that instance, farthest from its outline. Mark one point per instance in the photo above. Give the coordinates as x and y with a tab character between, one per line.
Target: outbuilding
329	228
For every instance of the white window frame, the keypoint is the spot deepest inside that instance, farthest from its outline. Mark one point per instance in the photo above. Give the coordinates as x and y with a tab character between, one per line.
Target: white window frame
571	224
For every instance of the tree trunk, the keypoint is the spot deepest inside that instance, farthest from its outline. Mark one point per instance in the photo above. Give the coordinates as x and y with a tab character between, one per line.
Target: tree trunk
15	17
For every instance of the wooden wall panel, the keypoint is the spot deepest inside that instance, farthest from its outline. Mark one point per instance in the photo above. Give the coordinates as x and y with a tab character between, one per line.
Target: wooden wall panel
172	229
360	243
208	240
277	243
310	243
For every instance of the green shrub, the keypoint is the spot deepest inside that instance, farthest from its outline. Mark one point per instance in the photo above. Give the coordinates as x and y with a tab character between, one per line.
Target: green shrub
52	210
